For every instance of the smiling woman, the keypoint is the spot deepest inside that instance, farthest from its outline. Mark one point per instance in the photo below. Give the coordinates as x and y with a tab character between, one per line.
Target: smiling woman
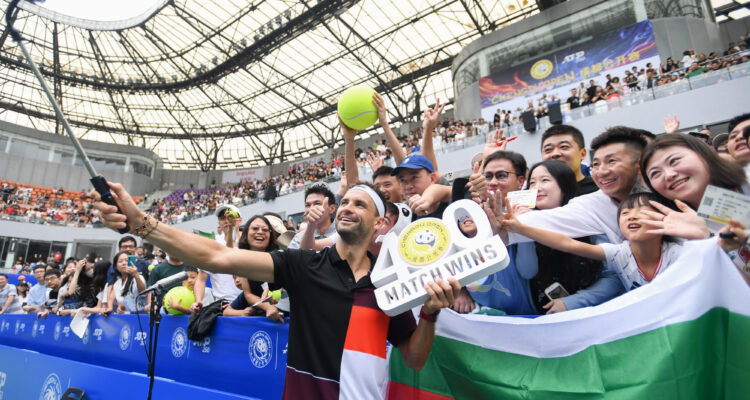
680	167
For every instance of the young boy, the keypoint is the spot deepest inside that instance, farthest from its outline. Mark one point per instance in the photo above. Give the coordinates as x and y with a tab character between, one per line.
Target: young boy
52	281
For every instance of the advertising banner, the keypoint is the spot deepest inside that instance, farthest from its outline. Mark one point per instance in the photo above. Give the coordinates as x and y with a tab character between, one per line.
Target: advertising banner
241	175
560	71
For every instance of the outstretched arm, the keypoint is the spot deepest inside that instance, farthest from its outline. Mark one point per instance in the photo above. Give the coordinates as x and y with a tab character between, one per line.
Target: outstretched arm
554	240
192	249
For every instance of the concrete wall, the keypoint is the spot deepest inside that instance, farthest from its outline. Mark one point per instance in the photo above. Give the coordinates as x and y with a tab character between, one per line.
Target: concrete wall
731	30
71	177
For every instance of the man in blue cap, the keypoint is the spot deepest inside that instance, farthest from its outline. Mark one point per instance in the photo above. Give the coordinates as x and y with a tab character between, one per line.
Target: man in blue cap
415	174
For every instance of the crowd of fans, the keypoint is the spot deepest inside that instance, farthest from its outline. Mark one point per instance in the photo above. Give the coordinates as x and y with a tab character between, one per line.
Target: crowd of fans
47	205
635	80
58	207
589	236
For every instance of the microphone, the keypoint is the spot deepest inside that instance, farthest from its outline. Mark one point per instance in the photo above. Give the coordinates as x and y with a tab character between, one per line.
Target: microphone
163	283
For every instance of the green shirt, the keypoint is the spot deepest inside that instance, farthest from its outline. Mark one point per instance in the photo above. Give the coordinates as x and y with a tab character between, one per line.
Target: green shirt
164	270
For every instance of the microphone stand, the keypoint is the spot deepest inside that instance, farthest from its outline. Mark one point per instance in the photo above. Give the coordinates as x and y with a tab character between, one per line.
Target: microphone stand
154	321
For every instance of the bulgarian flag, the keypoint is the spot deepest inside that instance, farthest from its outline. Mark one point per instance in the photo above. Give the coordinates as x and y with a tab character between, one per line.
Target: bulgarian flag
686	335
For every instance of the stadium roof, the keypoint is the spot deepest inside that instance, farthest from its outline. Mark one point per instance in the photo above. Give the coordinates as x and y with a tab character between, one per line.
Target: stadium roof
231	84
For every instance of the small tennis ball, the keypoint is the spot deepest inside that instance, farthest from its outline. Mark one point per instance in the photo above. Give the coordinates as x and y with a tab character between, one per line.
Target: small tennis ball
231	214
183	295
356	108
151	267
276	294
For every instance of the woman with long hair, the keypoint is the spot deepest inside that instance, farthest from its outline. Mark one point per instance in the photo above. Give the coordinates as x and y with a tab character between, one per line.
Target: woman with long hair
257	235
679	168
96	284
128	283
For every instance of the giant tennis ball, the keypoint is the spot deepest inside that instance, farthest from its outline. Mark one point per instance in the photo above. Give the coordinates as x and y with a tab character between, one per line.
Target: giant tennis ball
183	295
356	108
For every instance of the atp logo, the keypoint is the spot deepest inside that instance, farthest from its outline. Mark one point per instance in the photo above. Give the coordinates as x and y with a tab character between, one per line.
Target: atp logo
34	328
179	342
125	337
4	326
58	329
51	388
260	349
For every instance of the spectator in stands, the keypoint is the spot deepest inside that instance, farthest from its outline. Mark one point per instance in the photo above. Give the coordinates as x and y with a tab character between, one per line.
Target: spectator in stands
189	284
9	302
258	236
22	288
387	184
128	245
736	143
565	143
99	288
680	167
168	268
38	292
127	285
222	285
573	99
637	260
52	281
415	174
319	195
69	295
615	170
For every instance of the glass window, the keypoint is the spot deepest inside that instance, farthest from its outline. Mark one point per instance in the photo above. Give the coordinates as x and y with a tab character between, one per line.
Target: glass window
3	143
62	157
141	168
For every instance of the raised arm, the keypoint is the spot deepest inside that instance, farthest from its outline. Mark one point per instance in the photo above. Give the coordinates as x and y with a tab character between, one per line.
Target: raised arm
431	116
73	284
350	160
390	138
192	249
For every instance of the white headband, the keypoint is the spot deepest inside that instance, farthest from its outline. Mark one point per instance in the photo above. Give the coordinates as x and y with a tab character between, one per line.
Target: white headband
374	196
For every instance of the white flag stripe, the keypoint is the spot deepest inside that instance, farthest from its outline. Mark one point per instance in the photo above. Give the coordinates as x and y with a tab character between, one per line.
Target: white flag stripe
701	279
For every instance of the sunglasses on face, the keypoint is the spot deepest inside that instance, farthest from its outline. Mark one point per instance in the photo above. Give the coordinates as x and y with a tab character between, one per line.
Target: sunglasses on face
501	176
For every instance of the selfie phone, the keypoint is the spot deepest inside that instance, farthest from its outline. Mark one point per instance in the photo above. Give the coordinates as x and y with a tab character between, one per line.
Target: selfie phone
132	260
556	291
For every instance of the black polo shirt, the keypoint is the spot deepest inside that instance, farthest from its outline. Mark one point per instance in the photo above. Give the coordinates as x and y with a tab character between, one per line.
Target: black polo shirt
337	335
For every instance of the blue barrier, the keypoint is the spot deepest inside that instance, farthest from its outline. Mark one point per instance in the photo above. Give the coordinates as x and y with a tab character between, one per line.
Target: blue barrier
244	355
26	374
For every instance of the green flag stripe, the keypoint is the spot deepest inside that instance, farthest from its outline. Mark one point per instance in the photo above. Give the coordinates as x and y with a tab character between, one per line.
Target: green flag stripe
705	358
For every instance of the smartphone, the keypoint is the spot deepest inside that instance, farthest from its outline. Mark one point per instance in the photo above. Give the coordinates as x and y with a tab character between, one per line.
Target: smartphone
132	260
556	291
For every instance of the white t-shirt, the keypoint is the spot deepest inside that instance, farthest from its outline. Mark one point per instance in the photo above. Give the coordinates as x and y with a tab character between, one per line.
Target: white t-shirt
222	286
15	305
620	258
127	300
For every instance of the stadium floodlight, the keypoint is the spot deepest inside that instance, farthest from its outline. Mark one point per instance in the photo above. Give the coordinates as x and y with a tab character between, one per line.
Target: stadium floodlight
51	10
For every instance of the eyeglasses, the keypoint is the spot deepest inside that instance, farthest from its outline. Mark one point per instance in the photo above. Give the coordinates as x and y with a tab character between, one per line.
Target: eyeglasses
463	218
501	176
259	229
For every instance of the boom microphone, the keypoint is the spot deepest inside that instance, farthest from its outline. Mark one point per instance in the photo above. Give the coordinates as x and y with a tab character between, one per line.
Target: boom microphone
163	283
